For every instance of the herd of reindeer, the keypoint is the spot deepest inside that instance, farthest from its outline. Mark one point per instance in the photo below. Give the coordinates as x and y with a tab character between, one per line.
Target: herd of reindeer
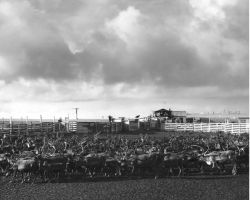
52	158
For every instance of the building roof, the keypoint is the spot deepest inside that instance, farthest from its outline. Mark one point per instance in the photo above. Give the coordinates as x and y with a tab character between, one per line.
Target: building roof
179	113
92	120
244	117
161	110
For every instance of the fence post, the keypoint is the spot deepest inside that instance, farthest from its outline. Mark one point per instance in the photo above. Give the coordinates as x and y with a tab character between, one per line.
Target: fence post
59	124
3	125
48	127
10	126
67	124
31	129
96	127
41	124
18	129
54	125
27	126
240	127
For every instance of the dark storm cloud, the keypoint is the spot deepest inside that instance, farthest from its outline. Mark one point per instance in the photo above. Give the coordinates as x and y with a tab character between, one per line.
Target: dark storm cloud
61	7
167	62
237	21
53	61
142	43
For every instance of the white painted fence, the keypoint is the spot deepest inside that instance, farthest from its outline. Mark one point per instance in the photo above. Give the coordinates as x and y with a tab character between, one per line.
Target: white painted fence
207	127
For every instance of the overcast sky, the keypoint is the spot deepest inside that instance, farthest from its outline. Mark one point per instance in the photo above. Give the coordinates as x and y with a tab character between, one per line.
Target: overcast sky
122	57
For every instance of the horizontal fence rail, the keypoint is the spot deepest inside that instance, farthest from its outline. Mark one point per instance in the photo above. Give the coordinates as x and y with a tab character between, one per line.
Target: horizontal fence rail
207	127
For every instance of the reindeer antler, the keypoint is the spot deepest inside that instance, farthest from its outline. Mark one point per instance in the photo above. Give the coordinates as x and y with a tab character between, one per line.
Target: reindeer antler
195	145
52	145
207	149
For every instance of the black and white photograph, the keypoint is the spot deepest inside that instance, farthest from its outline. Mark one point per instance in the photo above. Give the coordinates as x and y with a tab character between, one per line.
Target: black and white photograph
124	99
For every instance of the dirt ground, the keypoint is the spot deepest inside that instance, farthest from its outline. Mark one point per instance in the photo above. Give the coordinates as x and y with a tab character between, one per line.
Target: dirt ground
199	187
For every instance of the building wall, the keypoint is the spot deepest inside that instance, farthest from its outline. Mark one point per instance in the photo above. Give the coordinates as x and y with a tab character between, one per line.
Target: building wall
134	125
243	120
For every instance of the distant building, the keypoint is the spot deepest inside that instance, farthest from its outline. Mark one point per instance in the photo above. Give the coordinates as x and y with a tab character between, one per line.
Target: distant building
87	126
134	125
179	116
171	116
162	113
243	119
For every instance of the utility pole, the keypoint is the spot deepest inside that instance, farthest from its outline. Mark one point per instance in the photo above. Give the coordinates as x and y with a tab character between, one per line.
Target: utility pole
76	113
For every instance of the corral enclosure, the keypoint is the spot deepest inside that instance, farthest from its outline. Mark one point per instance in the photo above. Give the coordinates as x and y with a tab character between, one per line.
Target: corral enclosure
29	127
34	127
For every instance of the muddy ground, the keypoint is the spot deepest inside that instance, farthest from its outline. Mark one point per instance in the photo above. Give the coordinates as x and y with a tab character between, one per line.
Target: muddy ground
198	187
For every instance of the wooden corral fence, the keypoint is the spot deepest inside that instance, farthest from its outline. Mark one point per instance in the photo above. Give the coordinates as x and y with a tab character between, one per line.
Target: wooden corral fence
235	128
43	127
93	127
29	127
